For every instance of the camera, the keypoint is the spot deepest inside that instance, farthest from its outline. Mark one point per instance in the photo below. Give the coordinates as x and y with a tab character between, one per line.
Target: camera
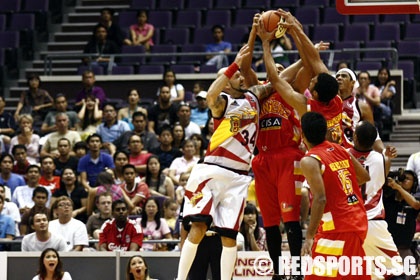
397	175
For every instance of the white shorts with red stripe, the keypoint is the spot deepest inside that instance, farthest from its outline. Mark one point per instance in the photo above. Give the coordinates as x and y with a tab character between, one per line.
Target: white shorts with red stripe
218	192
379	242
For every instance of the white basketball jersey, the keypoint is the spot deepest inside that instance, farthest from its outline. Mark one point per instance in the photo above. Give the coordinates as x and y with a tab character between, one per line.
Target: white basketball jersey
374	163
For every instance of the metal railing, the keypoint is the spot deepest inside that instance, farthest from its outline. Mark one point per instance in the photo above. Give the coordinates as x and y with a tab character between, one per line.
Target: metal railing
49	58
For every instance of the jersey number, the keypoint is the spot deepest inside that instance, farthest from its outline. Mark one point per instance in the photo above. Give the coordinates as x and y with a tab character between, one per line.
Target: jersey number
245	135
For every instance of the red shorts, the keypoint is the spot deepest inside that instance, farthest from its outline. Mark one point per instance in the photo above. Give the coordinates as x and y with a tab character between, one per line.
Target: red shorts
339	244
278	183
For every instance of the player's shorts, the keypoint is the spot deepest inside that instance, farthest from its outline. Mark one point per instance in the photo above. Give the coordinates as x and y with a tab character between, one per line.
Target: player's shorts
218	192
379	242
339	244
278	183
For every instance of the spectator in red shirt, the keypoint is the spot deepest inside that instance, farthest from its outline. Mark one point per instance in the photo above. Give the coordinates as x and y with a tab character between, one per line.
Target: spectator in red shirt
112	238
47	170
21	159
137	192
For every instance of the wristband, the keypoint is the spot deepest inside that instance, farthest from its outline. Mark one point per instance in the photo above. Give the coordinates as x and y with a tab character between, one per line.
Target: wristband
231	70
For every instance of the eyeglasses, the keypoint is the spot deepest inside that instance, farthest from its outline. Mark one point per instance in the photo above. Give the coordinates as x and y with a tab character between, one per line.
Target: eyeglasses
62	205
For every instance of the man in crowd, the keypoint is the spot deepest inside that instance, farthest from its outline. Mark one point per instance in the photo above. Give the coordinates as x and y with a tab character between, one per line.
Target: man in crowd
72	230
7	177
10	209
163	113
137	156
96	220
148	138
21	159
7	226
50	148
22	196
89	88
47	174
60	104
94	162
120	233
41	238
40	198
65	159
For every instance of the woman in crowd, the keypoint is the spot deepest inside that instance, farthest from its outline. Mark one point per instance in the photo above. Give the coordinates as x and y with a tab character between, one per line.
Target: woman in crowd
120	159
71	188
51	267
254	234
137	269
141	33
154	227
207	132
198	141
27	137
179	135
90	115
159	184
184	163
126	113
35	101
387	90
177	90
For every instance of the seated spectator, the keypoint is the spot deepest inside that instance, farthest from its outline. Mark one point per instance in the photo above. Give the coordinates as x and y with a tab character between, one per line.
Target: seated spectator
80	149
184	117
35	101
138	157
102	45
184	163
111	128
26	136
207	132
89	88
126	113
197	88
278	46
254	234
105	183
47	178
120	159
65	159
199	143
7	178
137	269
176	91
154	227
41	238
7	226
148	138
73	231
70	187
50	147
89	115
60	105
137	192
166	151
114	31
7	122
179	135
387	91
370	94
180	190
40	199
141	34
93	162
21	159
219	46
170	213
23	195
159	184
10	209
96	220
120	226
163	112
200	114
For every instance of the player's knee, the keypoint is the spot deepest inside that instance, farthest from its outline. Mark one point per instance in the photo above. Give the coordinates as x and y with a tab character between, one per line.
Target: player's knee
229	233
197	232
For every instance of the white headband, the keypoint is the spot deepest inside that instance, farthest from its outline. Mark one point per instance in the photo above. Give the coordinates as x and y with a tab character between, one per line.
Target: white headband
348	71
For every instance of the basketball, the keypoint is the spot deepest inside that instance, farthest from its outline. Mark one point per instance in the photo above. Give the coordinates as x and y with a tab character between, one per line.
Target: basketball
270	20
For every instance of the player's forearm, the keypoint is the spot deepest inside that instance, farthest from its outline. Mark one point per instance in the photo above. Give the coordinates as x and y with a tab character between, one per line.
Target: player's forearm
317	210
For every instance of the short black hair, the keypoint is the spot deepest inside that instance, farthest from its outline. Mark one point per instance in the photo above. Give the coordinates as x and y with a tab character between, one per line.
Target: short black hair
119	201
218	26
314	127
40	190
92	136
366	134
327	87
33	166
18	146
139	114
128	166
109	10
